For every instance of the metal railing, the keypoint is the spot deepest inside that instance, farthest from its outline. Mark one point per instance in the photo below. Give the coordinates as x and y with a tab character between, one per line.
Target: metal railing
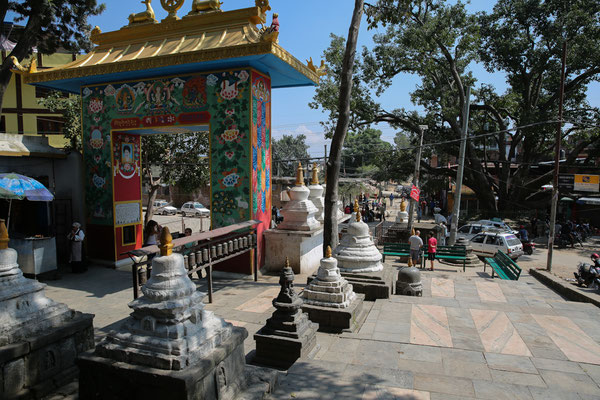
209	248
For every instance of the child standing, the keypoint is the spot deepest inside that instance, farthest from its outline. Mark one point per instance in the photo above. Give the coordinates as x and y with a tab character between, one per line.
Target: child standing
431	248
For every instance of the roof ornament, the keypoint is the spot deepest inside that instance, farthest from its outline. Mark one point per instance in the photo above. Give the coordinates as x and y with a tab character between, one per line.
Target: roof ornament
300	175
144	17
263	5
271	34
315	174
205	6
21	69
171	6
322	70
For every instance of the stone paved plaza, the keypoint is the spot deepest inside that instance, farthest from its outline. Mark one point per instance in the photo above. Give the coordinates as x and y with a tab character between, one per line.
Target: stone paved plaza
468	337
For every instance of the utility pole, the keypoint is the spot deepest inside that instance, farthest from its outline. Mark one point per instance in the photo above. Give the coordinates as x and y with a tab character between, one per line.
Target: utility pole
413	203
557	159
461	168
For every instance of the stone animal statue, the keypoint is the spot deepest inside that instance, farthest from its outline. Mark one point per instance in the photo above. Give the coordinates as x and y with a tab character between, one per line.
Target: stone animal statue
144	16
199	6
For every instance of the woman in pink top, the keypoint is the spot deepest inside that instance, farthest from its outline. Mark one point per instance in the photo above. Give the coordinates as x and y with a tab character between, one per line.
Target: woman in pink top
431	248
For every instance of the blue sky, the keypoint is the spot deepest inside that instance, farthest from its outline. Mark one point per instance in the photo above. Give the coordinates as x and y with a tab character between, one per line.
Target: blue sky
305	27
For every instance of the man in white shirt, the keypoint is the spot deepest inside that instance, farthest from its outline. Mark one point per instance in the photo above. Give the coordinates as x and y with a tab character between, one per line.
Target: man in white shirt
416	243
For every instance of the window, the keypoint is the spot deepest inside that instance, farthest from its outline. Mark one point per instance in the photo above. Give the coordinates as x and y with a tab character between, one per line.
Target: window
495	240
476	229
464	229
129	234
478	239
49	125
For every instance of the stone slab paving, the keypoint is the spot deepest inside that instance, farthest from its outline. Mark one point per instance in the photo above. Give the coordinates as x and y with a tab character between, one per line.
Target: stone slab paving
468	337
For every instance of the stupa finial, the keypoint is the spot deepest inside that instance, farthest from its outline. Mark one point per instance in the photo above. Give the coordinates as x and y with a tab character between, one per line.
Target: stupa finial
299	175
315	175
328	252
166	242
3	235
357	210
287	262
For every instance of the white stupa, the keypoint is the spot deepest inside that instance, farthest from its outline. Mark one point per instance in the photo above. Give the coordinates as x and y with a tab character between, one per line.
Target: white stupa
329	289
299	212
402	214
316	194
356	251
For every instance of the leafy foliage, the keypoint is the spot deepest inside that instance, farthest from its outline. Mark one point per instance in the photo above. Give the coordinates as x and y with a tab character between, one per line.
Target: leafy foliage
70	107
288	148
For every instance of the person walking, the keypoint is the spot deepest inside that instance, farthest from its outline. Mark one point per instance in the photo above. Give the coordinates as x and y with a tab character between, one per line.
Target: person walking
391	199
431	248
76	237
416	243
419	213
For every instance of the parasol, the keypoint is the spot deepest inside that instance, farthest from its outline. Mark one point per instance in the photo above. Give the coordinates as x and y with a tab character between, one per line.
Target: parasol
15	186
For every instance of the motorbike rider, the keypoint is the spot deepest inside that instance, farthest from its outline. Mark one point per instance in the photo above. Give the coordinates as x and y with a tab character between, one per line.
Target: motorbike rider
596	260
523	234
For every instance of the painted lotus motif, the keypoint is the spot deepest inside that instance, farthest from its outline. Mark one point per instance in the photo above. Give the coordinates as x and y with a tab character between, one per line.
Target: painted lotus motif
230	179
96	139
229	91
96	105
230	135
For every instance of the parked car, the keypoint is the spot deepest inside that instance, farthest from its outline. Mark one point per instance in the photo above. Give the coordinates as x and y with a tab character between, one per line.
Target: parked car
194	208
470	230
487	244
497	224
163	207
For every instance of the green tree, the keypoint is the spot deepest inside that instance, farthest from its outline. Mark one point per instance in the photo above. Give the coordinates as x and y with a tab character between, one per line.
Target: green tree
364	151
70	107
287	149
438	42
175	159
48	26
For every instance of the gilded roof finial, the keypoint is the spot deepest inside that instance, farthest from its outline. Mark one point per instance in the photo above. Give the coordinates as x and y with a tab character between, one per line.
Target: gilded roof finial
3	235
315	175
287	262
328	252
166	242
299	175
357	210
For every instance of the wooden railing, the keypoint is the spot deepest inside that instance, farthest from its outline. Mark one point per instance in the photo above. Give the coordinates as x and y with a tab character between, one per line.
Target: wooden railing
209	248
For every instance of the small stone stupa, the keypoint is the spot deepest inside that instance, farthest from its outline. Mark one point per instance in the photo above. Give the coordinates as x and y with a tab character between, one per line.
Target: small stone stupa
316	194
402	214
288	334
330	301
299	212
170	346
356	251
39	338
472	260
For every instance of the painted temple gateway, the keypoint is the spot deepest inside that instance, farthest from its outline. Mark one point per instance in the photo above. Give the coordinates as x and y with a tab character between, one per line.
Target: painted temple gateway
210	71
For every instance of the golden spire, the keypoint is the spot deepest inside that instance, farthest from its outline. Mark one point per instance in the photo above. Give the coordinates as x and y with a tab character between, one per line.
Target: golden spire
299	175
357	210
287	262
328	252
315	175
166	242
3	235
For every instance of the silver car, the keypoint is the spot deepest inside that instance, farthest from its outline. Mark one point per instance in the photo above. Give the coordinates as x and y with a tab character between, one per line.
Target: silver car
193	208
487	244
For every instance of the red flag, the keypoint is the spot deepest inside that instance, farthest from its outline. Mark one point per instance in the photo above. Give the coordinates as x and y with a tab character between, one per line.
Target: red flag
414	193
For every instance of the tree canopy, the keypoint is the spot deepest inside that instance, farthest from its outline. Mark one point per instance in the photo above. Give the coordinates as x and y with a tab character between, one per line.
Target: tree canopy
48	25
440	42
289	147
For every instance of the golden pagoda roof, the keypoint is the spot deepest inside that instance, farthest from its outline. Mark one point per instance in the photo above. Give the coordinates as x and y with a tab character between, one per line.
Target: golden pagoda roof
213	40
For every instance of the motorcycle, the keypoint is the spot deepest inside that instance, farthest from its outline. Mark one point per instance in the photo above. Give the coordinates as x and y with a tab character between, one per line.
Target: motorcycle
528	247
587	275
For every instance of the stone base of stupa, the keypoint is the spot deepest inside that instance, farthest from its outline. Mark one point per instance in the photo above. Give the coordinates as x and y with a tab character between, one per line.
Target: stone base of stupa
402	216
281	348
374	285
45	361
304	249
222	374
337	320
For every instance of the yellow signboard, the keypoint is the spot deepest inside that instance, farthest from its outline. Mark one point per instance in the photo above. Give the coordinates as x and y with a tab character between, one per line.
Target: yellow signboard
587	183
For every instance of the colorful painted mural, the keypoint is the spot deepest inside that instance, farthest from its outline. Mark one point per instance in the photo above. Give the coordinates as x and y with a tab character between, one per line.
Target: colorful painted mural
221	99
261	151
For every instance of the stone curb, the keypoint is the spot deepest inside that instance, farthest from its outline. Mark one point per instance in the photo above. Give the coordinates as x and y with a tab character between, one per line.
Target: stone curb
564	288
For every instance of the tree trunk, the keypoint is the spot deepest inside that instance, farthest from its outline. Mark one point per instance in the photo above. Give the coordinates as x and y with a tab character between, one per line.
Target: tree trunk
150	205
330	234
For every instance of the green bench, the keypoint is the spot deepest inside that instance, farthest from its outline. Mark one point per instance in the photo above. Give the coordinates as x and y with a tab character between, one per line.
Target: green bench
396	249
503	266
448	253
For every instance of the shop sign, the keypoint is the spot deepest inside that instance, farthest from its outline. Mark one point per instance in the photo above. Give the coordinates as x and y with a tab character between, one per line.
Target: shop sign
587	183
566	182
